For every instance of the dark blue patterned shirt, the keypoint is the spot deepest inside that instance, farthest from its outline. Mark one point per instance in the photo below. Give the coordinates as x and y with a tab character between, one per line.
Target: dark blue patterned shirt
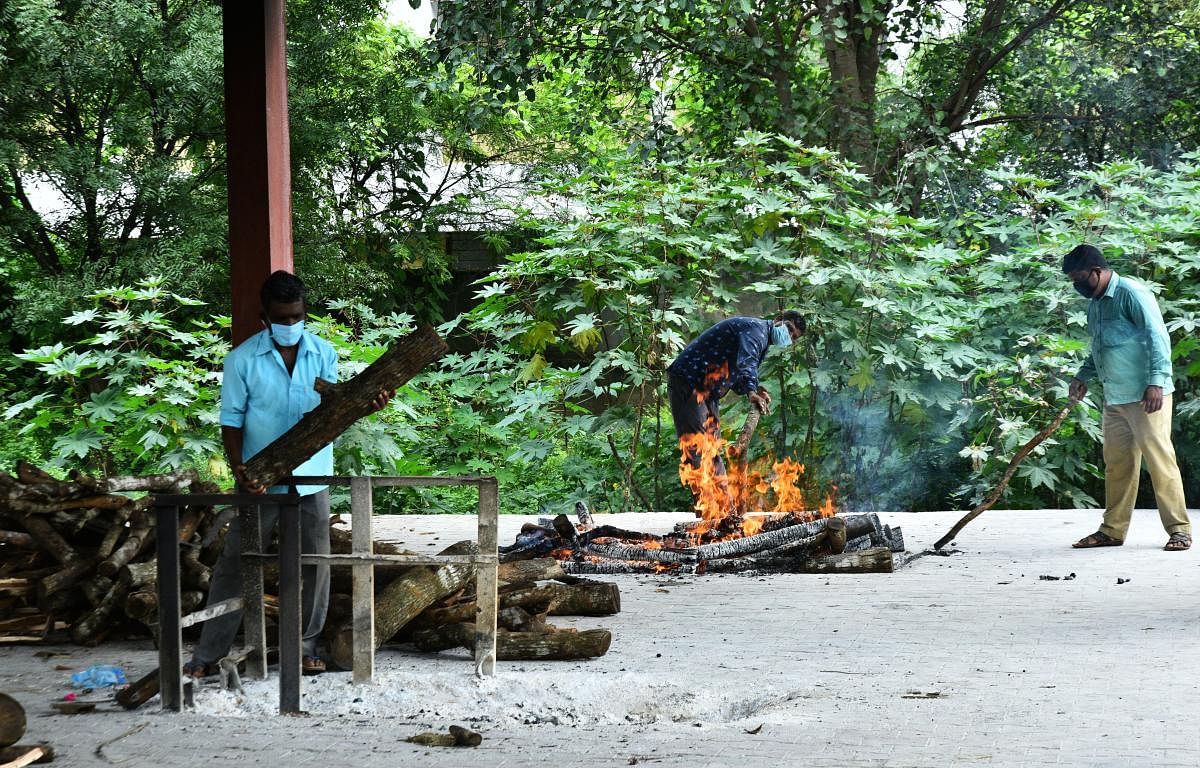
725	357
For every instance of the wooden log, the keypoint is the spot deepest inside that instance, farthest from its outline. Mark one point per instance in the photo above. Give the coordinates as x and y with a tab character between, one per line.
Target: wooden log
584	516
873	560
340	576
114	533
142	605
67	577
601	567
15	586
405	598
194	573
50	540
139	574
12	720
586	598
95	590
139	691
777	559
747	545
81	488
835	535
514	646
135	543
517	619
618	551
17	539
343	404
36	625
529	571
30	473
20	755
613	532
88	630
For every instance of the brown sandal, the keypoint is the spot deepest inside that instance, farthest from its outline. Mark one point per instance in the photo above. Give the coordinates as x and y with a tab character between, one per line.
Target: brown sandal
1097	539
1178	542
198	670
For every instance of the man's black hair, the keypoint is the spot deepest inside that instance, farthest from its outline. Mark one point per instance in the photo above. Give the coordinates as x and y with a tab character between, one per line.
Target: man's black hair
1084	257
281	288
792	316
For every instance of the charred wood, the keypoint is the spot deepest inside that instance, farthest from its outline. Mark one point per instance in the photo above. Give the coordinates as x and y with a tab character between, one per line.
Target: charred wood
618	551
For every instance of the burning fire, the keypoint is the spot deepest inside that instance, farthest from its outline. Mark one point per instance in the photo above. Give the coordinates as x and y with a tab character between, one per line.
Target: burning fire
740	489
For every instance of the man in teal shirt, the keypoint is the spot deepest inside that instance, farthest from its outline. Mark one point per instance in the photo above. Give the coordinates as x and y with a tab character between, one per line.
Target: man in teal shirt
267	387
1131	356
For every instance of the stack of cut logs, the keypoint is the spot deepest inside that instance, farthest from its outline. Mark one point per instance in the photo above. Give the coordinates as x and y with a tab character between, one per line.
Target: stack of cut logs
78	554
434	607
779	543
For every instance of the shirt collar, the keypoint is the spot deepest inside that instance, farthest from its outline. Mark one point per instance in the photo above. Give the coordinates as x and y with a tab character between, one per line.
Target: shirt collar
1113	279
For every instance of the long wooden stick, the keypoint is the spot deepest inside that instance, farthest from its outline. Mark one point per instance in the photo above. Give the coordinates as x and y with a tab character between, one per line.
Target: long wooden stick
740	452
1017	458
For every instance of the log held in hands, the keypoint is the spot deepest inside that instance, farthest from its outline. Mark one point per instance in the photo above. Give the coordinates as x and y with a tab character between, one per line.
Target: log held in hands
343	404
1017	458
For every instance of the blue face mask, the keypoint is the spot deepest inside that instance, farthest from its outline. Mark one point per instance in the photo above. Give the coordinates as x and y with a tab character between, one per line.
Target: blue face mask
287	335
780	336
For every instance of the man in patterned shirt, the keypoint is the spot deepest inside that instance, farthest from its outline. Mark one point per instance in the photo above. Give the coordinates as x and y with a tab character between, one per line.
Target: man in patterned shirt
1131	356
724	357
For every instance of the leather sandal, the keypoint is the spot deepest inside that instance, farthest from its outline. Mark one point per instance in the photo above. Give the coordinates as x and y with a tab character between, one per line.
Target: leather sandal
1178	542
1097	539
198	670
312	665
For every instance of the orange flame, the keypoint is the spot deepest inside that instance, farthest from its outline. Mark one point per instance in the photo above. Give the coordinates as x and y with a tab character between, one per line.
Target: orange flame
742	489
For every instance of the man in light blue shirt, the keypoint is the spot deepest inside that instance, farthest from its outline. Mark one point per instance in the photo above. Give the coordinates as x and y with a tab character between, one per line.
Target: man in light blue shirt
1131	356
267	388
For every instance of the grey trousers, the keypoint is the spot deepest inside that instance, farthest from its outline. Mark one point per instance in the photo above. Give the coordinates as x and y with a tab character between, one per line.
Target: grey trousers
694	413
217	636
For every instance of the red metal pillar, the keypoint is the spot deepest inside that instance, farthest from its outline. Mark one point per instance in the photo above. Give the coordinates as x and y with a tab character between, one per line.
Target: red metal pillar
258	153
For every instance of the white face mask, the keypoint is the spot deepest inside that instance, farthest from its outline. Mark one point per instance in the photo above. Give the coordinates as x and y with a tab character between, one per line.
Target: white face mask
780	336
287	335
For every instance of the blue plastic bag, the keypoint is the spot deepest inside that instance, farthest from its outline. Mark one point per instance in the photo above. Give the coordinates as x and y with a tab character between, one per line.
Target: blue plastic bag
100	676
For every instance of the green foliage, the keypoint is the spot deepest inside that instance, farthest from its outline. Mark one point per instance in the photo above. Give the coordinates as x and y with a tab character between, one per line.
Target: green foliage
937	348
136	391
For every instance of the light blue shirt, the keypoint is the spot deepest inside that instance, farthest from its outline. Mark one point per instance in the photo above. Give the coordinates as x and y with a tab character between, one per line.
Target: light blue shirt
259	397
1131	349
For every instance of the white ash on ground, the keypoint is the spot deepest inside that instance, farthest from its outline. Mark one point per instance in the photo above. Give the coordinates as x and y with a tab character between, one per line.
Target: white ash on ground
431	692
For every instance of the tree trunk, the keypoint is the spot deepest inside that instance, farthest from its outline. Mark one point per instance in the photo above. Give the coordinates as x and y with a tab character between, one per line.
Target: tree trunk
343	404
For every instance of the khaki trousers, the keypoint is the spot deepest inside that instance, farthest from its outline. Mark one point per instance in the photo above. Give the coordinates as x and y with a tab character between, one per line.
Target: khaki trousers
1131	434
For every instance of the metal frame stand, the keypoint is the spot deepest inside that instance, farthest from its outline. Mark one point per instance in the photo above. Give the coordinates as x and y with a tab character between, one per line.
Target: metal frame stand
362	558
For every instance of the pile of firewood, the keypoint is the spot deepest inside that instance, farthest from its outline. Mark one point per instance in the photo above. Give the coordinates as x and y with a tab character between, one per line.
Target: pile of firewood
78	554
434	607
797	542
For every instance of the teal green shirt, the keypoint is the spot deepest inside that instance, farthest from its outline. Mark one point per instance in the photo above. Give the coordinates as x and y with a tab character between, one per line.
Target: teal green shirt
259	397
1131	349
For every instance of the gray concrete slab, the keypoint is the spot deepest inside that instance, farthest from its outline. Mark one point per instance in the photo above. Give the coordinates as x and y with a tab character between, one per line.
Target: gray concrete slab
967	660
